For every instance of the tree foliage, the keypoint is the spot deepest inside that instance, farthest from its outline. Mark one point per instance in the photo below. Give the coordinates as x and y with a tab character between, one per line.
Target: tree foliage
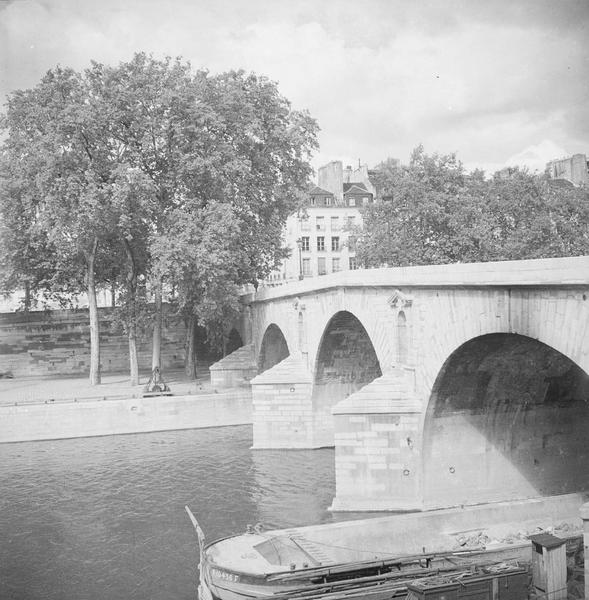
433	212
150	172
57	165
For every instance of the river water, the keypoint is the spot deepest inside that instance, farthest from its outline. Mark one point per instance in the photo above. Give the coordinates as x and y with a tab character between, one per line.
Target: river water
103	518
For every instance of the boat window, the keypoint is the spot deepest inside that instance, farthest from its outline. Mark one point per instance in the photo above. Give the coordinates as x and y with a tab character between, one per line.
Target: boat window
282	550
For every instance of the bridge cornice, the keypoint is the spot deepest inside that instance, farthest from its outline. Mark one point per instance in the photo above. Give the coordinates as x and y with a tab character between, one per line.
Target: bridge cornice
539	273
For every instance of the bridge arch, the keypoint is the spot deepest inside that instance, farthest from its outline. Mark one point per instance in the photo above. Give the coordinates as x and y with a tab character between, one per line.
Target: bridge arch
346	357
507	419
346	361
273	349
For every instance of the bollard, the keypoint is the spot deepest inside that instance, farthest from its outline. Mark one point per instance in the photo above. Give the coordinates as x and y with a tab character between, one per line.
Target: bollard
585	517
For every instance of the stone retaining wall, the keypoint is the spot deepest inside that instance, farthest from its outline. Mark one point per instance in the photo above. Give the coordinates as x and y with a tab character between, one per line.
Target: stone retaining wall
41	343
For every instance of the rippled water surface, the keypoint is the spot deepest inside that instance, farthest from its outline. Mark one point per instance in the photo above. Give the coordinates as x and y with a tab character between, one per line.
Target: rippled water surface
103	518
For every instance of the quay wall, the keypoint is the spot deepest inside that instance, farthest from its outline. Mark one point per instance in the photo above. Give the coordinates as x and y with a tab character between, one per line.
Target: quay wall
72	419
57	342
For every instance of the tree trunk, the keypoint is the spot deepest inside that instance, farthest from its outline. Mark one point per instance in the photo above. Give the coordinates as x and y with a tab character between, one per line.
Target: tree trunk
93	314
133	362
157	329
27	306
132	323
190	361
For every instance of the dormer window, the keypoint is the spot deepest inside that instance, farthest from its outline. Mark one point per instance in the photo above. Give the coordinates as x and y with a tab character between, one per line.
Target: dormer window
327	201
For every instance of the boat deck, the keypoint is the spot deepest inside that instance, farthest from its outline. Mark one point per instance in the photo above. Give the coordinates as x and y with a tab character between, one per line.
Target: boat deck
490	528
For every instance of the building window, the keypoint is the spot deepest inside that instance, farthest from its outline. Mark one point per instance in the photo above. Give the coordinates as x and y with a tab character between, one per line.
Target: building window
352	243
352	201
321	243
335	244
335	265
352	263
305	244
334	223
305	225
321	269
327	201
351	222
320	223
364	201
312	201
306	267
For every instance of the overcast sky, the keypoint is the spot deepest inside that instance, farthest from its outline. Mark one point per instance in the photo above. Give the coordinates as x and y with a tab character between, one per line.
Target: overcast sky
497	81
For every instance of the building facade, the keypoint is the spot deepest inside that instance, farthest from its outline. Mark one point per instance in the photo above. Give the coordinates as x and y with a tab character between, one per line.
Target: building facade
575	169
322	234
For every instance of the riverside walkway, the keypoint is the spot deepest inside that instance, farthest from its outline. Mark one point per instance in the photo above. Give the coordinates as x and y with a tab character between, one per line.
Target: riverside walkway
114	386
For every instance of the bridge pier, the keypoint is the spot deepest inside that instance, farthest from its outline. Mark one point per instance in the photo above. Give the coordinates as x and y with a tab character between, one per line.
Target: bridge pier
282	406
377	446
235	369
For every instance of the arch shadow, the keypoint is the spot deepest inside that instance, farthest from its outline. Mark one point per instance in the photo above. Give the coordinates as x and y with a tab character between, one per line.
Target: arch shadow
507	419
346	361
273	349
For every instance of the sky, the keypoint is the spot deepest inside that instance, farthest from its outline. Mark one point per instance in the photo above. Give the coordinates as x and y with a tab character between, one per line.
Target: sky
500	82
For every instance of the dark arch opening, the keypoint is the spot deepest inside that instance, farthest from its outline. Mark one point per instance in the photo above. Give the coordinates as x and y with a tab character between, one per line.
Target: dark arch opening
233	341
346	355
508	419
346	362
274	348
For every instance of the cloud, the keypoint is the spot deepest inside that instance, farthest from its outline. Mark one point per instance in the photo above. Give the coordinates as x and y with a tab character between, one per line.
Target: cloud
535	157
484	79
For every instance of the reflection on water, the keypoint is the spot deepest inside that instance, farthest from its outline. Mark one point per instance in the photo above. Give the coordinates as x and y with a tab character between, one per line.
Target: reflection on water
103	518
280	498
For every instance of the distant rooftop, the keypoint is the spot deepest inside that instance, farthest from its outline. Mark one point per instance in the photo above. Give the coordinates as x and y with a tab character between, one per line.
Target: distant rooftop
316	191
355	188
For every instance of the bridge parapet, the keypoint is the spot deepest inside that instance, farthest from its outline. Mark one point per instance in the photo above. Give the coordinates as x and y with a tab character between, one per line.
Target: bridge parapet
545	272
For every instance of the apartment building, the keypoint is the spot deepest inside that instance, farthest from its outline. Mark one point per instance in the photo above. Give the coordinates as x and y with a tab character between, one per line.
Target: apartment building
322	234
574	169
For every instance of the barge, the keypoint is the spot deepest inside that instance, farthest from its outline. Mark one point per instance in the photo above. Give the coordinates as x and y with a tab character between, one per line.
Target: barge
383	557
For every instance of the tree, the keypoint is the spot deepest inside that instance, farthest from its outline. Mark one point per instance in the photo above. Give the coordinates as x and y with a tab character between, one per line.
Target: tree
412	225
103	163
24	248
160	126
201	258
436	213
230	138
55	153
133	204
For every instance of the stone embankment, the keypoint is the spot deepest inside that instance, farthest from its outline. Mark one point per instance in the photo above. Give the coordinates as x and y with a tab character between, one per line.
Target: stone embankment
68	408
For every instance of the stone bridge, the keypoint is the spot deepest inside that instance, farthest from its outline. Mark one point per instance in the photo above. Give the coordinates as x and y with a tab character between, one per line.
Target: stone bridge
438	385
